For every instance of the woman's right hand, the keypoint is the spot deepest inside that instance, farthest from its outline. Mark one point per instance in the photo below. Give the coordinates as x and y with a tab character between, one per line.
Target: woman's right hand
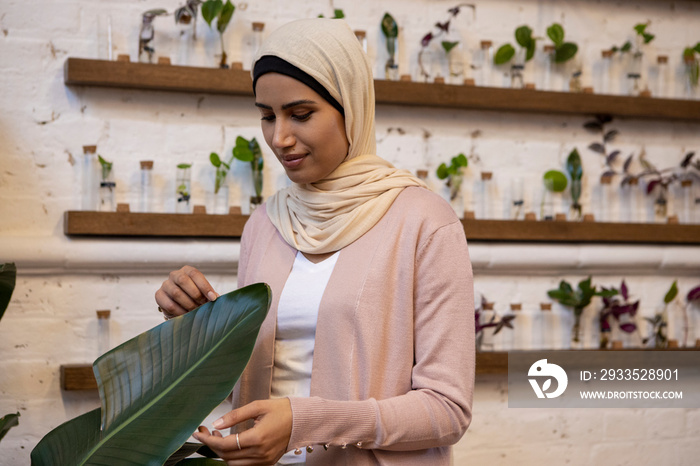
183	291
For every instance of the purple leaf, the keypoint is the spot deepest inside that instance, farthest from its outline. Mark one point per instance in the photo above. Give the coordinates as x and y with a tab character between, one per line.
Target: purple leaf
453	11
426	40
694	294
603	119
612	156
593	126
610	135
628	327
652	184
626	166
444	26
597	147
687	159
623	290
608	174
633	310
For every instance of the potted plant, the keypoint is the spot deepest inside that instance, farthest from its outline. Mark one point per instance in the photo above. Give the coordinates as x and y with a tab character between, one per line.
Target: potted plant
183	188
482	322
221	191
554	182
577	299
620	310
249	151
453	174
448	46
222	12
634	68
575	170
506	52
107	185
691	62
391	33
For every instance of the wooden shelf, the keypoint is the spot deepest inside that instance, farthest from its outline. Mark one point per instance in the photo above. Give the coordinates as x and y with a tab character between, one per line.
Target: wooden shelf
102	73
81	376
86	223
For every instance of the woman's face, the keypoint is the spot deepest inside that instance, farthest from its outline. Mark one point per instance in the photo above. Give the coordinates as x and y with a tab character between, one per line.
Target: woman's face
306	133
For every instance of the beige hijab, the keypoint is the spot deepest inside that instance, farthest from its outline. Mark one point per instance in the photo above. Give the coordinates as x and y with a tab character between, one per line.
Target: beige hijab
332	213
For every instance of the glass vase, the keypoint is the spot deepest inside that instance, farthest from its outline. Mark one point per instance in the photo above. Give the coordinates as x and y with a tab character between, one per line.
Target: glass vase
258	28
146	192
548	328
183	190
107	189
603	213
691	77
455	65
547	201
221	200
634	73
556	81
88	170
485	196
391	67
517	70
362	37
484	63
687	202
603	71
517	196
522	327
660	78
103	334
630	201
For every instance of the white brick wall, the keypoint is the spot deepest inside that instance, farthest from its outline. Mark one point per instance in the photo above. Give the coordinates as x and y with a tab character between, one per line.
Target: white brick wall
44	124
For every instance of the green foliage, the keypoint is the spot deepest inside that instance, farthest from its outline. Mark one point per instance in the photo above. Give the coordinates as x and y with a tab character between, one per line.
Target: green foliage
7	422
575	169
523	37
217	9
671	293
691	63
337	14
164	381
577	299
555	181
641	31
389	27
222	169
249	151
504	54
106	167
8	279
453	173
563	51
448	46
184	166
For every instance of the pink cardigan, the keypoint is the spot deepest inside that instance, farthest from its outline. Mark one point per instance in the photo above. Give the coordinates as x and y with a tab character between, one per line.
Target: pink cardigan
393	369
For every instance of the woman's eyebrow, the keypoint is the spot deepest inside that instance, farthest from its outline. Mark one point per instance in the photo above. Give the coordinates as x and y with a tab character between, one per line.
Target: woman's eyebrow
288	105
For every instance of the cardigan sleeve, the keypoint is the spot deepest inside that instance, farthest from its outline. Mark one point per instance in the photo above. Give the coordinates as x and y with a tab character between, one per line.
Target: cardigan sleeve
437	410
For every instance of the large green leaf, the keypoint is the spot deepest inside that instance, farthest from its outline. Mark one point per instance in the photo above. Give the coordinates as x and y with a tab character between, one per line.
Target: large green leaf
158	387
8	277
7	422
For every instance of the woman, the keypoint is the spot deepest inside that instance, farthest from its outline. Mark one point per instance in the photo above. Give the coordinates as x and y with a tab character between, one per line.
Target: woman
367	353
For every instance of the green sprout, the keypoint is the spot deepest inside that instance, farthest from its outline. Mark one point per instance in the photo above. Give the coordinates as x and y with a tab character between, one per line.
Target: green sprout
181	190
575	169
106	167
222	169
524	38
641	30
563	51
222	12
453	173
249	151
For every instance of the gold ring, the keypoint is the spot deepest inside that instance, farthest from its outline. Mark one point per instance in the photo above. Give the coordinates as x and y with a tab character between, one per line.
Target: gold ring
238	442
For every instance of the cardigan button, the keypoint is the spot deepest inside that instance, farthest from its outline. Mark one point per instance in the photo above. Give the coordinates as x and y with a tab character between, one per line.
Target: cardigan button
325	447
297	451
309	449
359	444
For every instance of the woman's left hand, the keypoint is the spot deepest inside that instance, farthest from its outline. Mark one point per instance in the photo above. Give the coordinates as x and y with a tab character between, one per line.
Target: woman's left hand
263	444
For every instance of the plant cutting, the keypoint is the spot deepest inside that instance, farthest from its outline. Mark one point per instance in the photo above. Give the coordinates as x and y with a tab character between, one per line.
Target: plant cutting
107	185
495	322
506	52
166	380
249	151
661	179
337	14
620	309
222	169
610	157
575	169
454	174
8	279
182	189
554	182
642	36
187	14
577	299
222	12
147	33
691	60
563	51
391	33
659	322
440	29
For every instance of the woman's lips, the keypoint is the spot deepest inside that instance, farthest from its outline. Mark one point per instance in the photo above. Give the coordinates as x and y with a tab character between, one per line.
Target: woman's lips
292	160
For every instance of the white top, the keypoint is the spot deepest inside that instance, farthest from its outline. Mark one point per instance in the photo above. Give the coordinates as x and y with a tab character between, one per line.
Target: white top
297	315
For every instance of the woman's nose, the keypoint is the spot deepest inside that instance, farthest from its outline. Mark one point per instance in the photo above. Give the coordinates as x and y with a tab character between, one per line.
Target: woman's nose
283	136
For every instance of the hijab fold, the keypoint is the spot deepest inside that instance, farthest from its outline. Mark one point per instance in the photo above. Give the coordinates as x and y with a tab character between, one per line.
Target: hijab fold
332	213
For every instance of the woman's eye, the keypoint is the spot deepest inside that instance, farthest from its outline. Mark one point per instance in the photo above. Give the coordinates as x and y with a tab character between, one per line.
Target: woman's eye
303	117
267	117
